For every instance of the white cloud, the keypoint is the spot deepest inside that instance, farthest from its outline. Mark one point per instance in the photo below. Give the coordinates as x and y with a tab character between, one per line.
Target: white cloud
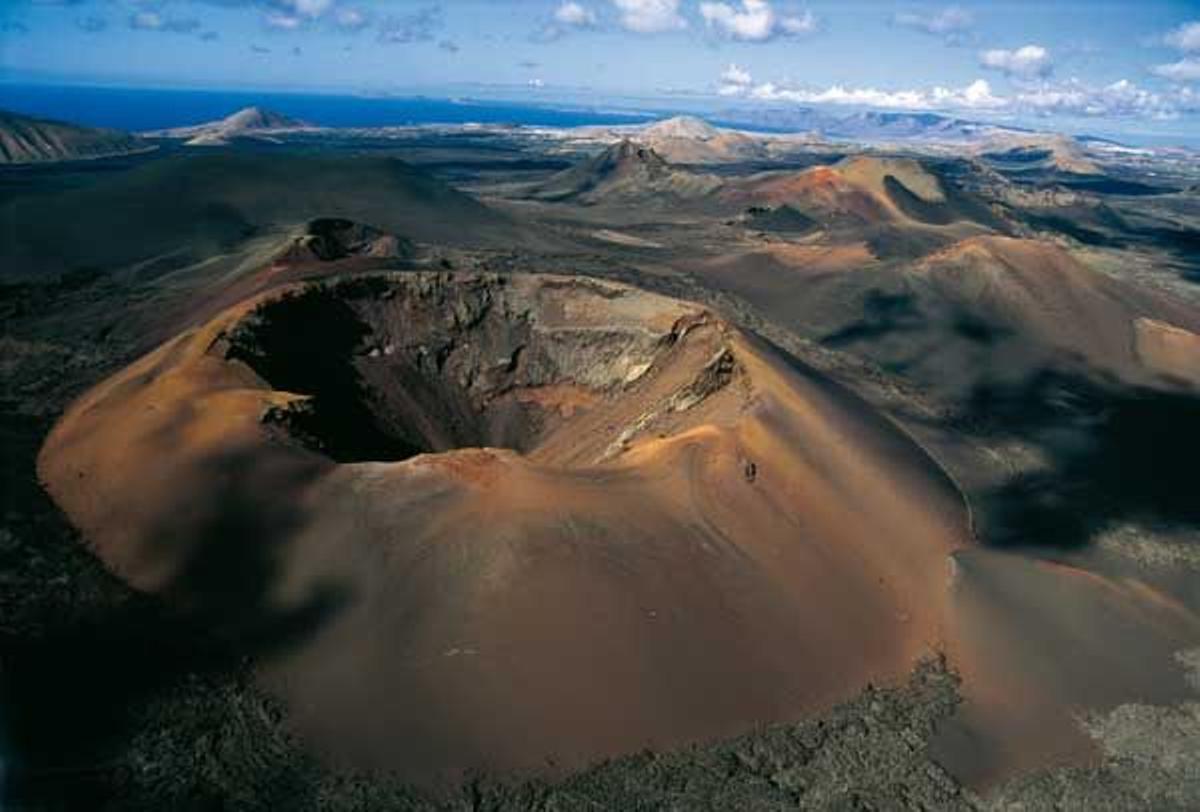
947	21
754	21
1026	61
734	75
975	96
153	21
1121	99
1185	70
576	15
352	19
650	16
282	22
805	23
1186	37
734	81
304	8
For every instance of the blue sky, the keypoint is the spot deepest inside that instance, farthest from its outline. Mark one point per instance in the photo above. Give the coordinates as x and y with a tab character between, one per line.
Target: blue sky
1122	65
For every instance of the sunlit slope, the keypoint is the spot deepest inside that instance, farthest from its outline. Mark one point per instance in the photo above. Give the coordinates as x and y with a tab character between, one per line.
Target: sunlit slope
685	534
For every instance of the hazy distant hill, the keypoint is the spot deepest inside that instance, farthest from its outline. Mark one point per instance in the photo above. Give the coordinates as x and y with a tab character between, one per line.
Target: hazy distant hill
870	125
250	122
687	140
26	140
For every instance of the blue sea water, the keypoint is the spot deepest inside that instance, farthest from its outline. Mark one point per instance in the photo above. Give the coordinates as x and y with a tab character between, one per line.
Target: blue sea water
145	109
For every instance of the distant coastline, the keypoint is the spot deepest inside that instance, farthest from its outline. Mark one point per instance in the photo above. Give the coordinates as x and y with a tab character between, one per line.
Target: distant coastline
149	109
139	110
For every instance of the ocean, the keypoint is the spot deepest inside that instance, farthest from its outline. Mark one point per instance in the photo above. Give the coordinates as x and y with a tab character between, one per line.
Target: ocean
145	109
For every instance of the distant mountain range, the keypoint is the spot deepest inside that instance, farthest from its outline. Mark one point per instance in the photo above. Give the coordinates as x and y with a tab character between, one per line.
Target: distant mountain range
25	140
865	125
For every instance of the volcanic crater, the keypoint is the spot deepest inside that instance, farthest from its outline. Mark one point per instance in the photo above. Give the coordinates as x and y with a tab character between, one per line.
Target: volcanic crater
425	363
513	523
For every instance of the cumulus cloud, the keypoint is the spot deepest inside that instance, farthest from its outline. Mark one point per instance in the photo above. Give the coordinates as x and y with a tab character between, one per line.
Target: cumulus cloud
304	8
153	21
735	75
650	16
795	25
951	22
569	16
975	96
754	21
1026	61
1186	37
735	81
1185	70
282	22
575	15
289	15
352	19
1122	99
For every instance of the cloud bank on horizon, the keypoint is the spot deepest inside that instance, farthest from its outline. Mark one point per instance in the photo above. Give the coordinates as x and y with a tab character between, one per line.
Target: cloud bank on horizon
1134	62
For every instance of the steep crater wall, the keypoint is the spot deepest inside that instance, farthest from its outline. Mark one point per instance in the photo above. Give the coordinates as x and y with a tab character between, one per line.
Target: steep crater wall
393	366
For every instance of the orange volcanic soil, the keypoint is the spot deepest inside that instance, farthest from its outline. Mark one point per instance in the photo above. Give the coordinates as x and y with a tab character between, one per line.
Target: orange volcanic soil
523	523
855	187
1049	299
693	536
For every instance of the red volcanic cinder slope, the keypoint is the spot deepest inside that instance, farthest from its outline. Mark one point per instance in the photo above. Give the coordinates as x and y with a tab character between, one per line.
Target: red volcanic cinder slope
610	520
470	522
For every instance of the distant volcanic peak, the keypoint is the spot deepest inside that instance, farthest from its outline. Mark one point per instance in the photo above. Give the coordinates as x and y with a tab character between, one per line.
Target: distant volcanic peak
250	122
681	127
257	118
628	169
24	139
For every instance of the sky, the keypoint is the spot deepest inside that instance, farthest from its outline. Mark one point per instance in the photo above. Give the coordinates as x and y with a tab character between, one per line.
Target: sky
1114	66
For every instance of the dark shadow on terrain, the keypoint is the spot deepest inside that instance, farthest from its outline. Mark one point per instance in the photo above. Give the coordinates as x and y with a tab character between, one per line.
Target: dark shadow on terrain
958	206
306	344
883	314
83	659
1103	226
1115	452
196	205
781	219
1091	225
888	241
